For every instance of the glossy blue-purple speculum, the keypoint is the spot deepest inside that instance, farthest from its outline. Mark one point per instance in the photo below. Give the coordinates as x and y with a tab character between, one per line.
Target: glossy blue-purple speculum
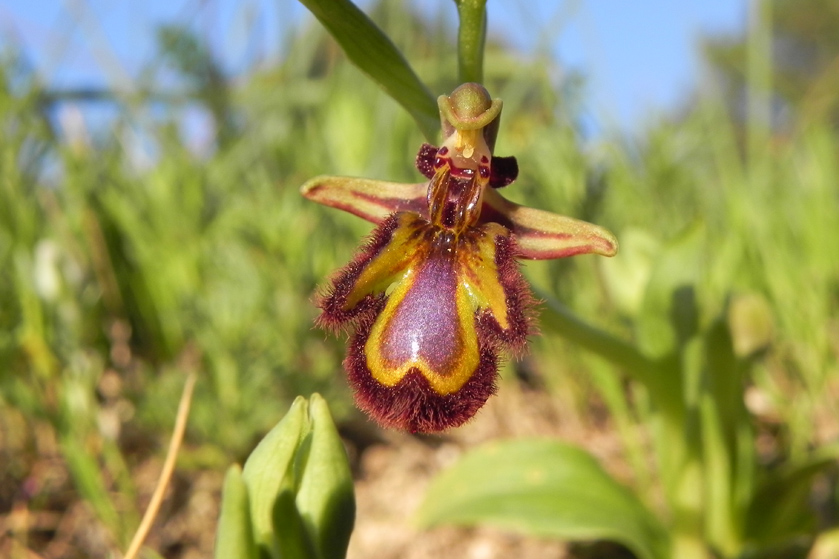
424	323
435	294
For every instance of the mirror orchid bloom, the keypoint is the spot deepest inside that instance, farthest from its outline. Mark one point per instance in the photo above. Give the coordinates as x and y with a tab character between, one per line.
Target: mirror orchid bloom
435	295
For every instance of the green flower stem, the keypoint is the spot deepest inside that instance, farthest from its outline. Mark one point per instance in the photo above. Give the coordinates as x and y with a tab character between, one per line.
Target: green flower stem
471	38
656	375
563	321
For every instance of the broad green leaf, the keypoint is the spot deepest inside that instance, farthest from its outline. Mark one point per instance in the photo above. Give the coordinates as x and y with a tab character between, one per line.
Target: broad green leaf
301	493
269	469
325	495
234	537
375	54
546	489
291	538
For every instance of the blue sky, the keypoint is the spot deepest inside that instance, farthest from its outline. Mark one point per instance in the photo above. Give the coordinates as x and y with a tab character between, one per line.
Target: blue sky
639	56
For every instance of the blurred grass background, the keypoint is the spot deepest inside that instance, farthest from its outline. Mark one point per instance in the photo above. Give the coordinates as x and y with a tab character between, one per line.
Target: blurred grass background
127	257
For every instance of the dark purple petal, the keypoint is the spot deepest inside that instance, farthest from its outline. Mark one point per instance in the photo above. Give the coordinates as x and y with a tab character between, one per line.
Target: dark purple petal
503	171
425	160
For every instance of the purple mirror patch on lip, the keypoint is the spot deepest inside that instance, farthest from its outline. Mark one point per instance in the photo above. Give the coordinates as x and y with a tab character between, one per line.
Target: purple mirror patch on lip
424	325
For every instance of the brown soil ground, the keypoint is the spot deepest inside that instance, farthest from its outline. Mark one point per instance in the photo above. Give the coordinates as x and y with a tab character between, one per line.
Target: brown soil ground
392	472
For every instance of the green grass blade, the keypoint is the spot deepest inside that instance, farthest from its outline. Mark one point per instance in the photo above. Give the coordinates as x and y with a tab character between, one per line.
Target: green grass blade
375	54
92	486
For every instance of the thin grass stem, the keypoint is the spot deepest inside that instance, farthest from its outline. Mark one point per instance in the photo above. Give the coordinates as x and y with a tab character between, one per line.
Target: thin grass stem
168	468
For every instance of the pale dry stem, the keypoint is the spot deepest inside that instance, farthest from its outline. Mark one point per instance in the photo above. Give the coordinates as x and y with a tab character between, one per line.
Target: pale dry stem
168	468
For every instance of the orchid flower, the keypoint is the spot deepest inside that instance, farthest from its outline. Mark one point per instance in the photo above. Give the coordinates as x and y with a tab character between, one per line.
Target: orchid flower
435	295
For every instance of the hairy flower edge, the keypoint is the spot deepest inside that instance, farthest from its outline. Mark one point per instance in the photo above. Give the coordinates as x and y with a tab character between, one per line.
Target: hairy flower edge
430	397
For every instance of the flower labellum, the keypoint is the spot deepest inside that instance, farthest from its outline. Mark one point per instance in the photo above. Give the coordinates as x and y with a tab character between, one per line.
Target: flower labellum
435	296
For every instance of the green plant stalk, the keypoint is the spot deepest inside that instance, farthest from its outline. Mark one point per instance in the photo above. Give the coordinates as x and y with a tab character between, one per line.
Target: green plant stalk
88	479
676	439
659	378
563	321
722	527
471	39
